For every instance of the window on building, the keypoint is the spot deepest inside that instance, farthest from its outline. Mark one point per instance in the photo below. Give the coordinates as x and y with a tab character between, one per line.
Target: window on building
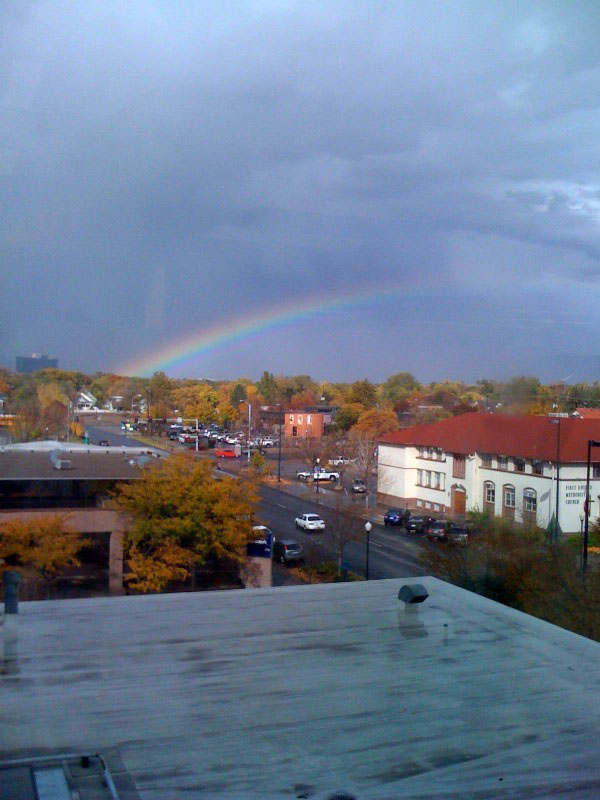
291	419
419	477
421	451
300	418
427	504
530	501
439	453
458	466
509	497
490	492
436	506
519	465
309	419
502	462
419	504
427	477
595	470
437	480
538	467
486	460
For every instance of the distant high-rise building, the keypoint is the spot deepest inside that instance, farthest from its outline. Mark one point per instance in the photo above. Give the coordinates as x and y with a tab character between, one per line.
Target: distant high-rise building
34	362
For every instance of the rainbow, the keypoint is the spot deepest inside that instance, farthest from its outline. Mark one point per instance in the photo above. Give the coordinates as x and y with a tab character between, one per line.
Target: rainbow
213	338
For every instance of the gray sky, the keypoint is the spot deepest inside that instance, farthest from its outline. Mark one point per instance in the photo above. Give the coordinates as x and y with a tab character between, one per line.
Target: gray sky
167	167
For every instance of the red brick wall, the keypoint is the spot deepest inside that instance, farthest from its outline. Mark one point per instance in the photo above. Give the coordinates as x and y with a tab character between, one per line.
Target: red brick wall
298	422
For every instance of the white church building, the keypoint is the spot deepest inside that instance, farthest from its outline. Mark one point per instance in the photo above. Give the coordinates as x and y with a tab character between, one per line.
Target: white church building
493	462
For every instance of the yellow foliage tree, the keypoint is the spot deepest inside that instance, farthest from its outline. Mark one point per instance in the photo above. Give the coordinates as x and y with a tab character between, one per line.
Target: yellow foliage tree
184	518
41	548
377	421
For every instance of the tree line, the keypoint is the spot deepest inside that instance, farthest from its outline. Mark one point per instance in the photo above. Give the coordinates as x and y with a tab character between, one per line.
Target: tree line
39	402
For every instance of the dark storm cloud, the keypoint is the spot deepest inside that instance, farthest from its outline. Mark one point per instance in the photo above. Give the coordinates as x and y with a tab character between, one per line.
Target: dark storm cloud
168	165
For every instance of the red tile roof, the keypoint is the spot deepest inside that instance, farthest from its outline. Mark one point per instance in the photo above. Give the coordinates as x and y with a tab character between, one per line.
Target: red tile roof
589	413
502	434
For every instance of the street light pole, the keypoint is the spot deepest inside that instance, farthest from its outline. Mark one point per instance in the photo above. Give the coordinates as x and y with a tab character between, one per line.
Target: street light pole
318	461
279	448
368	527
556	421
581	520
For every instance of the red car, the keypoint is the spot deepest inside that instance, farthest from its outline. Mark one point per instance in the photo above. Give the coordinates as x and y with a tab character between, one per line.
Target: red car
225	453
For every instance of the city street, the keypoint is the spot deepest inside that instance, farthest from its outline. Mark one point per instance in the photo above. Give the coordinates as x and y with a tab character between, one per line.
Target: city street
392	552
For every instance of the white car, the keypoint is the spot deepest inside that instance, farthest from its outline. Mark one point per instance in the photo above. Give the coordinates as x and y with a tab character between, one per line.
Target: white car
310	522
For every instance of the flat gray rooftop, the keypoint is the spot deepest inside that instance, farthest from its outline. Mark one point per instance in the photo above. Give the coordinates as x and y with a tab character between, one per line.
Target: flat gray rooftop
305	691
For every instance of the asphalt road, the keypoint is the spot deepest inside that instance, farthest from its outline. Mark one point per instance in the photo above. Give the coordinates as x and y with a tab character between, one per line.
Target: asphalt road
392	553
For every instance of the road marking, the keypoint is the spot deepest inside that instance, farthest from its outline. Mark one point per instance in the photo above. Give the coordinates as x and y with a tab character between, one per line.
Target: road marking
280	505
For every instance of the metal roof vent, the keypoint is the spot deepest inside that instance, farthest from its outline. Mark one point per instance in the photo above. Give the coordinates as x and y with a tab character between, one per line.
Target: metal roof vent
58	462
413	593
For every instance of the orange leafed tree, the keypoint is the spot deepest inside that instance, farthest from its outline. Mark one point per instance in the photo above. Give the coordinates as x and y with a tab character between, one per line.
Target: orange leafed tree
41	548
183	518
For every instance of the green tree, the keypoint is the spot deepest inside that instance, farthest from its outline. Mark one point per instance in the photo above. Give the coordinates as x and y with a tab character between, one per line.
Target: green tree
238	395
348	415
159	389
267	387
363	392
184	518
398	389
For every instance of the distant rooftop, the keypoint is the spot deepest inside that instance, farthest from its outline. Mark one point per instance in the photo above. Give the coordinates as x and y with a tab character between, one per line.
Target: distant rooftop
306	691
41	461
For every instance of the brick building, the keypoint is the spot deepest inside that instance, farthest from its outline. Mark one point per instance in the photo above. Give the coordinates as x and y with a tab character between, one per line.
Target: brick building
303	424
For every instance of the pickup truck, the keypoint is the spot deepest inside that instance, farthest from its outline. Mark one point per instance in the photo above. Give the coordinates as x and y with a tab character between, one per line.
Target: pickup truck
318	475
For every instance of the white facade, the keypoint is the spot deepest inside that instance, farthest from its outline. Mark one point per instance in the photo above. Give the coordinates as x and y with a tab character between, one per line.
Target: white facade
428	479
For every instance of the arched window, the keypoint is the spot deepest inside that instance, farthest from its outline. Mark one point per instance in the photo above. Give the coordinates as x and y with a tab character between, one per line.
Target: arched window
510	498
489	492
530	501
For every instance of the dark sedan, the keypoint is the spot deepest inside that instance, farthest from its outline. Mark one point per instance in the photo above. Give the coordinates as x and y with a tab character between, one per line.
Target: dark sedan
419	524
395	516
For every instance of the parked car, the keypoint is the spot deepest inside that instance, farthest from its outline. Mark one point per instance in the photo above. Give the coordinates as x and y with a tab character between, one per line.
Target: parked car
287	551
310	522
419	524
341	460
358	486
268	442
104	443
396	516
438	530
458	535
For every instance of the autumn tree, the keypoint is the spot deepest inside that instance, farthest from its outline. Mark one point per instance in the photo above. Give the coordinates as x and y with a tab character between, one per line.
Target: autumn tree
183	519
377	421
41	548
197	401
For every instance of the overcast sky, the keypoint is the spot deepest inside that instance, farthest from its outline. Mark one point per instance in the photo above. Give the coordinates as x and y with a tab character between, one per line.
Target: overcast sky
169	166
